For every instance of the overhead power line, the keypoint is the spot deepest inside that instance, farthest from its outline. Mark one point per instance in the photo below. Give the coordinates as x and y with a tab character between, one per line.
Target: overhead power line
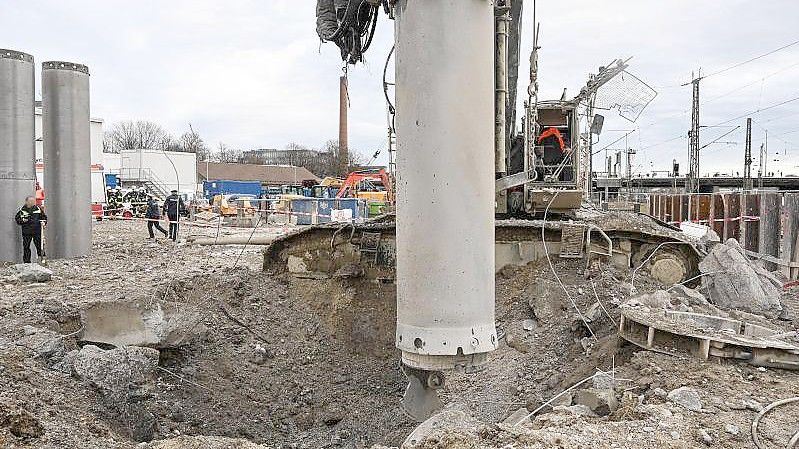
758	111
752	83
719	137
612	143
726	121
751	59
681	136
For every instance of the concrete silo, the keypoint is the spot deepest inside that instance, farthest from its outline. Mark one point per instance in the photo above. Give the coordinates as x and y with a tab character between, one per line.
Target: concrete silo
67	158
17	146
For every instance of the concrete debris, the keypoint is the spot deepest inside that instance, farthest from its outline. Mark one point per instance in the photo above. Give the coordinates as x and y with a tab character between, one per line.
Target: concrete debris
576	410
452	417
115	371
732	429
529	325
565	399
30	272
705	437
600	402
333	415
661	300
603	381
519	417
135	324
312	363
46	344
687	398
732	281
692	296
594	313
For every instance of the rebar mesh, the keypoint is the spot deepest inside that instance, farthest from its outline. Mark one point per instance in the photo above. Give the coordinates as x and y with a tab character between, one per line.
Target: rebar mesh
627	93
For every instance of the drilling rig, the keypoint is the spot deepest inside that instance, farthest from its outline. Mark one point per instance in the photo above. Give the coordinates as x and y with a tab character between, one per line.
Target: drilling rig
462	168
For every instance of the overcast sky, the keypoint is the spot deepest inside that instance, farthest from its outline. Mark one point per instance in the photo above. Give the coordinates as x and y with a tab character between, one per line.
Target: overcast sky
252	73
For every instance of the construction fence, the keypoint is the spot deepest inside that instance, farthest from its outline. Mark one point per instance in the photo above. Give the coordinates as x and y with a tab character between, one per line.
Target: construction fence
766	224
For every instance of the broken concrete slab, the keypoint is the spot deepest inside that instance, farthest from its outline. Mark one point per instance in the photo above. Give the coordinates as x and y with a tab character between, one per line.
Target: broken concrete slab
452	417
686	397
520	417
122	376
115	371
732	281
134	324
31	272
600	402
48	345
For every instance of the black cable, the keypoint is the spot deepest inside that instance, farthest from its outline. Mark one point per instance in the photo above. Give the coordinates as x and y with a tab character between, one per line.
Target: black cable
354	30
751	60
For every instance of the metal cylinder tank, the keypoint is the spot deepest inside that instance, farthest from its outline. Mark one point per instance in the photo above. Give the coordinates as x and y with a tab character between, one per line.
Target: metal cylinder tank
17	146
445	182
67	158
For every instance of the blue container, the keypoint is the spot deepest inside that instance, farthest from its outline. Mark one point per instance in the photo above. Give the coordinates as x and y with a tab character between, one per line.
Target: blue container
303	211
354	204
222	187
323	209
111	181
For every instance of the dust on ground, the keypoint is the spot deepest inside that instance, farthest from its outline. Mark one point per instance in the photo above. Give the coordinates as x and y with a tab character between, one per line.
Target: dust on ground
310	363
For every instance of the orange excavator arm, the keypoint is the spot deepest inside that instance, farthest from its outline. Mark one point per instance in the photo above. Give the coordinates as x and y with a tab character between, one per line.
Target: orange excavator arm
354	178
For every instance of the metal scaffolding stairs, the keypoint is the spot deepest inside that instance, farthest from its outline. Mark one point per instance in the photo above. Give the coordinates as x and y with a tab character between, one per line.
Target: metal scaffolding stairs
146	178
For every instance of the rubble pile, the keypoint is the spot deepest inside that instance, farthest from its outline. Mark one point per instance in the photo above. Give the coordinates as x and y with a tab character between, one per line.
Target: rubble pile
216	353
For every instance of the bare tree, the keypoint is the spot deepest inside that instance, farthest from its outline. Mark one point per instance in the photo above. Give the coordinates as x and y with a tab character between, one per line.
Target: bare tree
129	135
191	142
224	153
333	158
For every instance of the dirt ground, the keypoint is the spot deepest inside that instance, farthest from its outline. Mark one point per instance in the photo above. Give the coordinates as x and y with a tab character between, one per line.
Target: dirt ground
310	363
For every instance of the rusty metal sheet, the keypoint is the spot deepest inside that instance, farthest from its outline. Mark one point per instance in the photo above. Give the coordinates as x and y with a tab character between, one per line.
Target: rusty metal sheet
750	222
769	232
703	202
790	232
668	213
732	210
717	215
652	203
675	209
684	216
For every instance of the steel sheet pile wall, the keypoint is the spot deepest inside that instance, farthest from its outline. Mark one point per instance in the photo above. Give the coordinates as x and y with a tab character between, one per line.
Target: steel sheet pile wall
766	224
445	185
17	146
790	232
67	158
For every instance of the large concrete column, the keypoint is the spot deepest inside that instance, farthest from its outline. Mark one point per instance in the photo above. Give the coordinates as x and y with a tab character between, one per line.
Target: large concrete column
67	158
445	182
17	146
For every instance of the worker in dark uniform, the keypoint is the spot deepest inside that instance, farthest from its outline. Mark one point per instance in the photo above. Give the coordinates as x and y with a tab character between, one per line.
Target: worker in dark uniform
153	216
31	217
173	206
